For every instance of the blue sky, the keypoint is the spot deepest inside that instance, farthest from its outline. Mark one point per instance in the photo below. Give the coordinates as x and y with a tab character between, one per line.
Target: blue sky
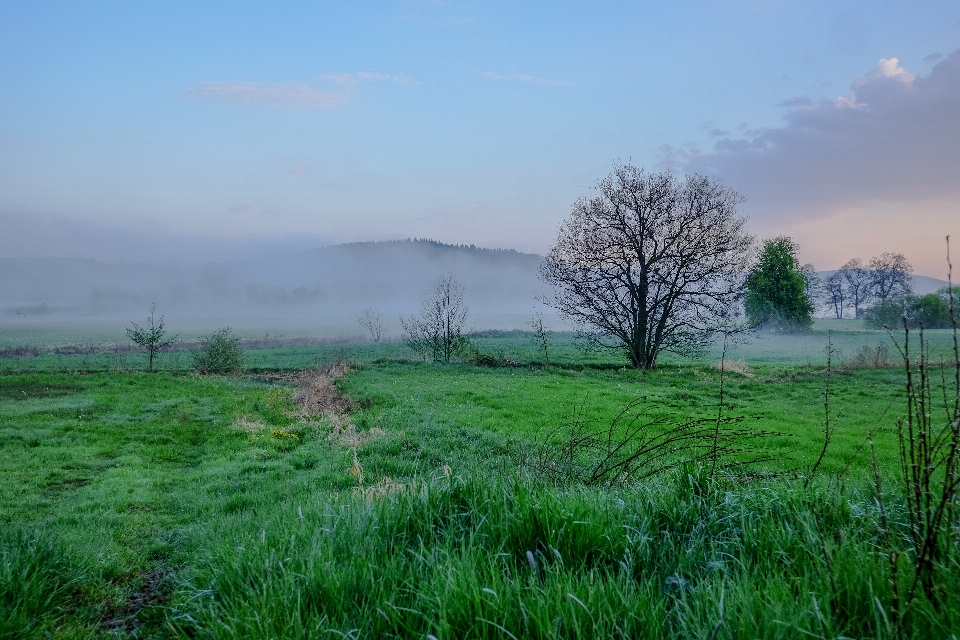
166	130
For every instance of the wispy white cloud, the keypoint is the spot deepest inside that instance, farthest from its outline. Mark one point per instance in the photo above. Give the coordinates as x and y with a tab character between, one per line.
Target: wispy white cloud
521	78
352	79
291	96
331	91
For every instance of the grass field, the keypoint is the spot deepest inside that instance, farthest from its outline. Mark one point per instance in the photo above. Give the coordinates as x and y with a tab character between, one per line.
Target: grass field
174	505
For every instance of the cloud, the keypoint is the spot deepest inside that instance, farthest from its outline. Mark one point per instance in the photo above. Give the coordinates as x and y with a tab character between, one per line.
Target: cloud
889	144
289	96
520	77
799	101
333	90
352	79
893	137
297	170
933	57
886	68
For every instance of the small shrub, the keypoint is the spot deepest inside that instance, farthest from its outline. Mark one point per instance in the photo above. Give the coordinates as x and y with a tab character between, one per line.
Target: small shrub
868	357
219	352
480	359
152	337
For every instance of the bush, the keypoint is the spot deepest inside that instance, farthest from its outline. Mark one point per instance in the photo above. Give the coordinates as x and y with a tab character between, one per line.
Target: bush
886	313
931	310
480	359
219	352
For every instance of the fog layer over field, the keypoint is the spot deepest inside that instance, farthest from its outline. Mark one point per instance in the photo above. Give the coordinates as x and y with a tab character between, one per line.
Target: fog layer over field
320	291
317	292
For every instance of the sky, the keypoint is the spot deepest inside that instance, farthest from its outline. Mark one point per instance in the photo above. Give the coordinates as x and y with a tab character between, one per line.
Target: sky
188	132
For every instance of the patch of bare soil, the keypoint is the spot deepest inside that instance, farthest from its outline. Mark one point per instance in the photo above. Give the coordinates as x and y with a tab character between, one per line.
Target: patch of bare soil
153	591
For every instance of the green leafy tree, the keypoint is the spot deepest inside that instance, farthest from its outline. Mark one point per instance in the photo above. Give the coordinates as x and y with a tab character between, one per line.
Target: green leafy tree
219	352
777	288
152	337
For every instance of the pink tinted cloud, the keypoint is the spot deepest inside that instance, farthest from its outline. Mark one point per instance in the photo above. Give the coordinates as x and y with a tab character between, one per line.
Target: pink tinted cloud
892	138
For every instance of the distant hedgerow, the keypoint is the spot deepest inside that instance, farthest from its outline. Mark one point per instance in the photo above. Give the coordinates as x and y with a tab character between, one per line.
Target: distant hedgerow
219	352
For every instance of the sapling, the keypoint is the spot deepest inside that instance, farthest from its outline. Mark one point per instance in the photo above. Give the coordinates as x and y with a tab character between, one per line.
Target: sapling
151	337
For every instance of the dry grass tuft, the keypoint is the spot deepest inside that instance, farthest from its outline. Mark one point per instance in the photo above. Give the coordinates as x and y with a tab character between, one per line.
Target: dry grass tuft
870	358
317	394
735	366
346	433
383	488
250	426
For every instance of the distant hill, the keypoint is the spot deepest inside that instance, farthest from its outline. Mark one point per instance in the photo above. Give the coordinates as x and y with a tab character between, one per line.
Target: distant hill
328	284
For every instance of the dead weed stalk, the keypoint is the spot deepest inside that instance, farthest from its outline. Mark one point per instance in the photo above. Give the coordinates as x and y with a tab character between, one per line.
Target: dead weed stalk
929	439
637	445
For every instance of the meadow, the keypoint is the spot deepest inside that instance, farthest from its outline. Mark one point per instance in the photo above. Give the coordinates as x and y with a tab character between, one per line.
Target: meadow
343	489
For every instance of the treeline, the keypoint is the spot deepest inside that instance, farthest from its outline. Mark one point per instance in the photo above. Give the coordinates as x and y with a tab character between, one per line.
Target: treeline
931	311
433	244
881	293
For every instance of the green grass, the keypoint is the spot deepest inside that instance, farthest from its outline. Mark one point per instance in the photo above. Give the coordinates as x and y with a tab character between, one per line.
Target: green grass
164	505
479	558
847	336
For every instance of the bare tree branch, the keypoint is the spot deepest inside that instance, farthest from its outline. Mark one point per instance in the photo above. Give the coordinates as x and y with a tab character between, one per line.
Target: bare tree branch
438	331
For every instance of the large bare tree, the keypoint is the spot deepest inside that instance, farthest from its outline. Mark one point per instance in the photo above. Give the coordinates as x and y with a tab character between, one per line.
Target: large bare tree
890	276
653	263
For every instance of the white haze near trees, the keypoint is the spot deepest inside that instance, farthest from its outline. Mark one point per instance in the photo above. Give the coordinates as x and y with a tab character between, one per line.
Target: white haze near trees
317	292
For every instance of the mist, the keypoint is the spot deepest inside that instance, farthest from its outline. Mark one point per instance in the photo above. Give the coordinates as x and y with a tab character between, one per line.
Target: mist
314	292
